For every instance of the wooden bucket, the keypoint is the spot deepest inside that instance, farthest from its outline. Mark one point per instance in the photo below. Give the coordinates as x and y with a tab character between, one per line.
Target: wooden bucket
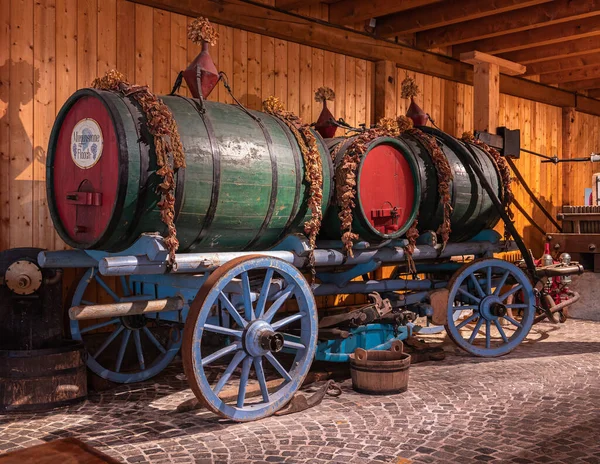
380	372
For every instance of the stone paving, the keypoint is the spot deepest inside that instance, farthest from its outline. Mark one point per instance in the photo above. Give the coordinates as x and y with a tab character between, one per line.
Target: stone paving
539	404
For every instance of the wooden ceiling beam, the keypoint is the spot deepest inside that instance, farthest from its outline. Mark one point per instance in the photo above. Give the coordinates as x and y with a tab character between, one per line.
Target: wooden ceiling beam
594	93
564	64
555	51
582	85
293	4
352	11
570	76
446	14
555	12
538	37
307	31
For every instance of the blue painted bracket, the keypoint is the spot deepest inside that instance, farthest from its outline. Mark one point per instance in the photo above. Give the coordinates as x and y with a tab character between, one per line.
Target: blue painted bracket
342	278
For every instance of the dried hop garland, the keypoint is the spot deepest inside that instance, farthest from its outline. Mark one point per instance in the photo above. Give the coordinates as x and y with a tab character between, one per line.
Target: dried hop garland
168	147
201	30
324	94
313	165
409	87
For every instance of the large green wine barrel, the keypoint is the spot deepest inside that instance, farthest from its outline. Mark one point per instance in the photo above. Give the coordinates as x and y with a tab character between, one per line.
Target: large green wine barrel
472	208
388	190
243	187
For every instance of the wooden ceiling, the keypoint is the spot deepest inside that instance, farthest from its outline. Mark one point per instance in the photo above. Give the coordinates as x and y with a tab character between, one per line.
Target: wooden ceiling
558	40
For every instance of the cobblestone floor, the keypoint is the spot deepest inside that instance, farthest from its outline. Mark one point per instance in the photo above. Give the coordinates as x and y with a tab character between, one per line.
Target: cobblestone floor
539	404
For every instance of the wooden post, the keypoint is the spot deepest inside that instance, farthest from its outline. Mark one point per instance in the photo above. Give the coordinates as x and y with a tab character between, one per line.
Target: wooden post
568	128
385	90
486	83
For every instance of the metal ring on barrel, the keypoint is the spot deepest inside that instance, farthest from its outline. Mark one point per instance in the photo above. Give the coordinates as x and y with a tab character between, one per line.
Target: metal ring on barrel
480	290
126	331
250	334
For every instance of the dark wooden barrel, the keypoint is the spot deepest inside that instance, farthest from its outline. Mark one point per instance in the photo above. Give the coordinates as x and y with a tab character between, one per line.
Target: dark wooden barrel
37	380
473	210
243	188
387	191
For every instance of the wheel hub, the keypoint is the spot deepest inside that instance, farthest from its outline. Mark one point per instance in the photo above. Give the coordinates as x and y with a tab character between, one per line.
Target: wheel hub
259	338
491	307
135	322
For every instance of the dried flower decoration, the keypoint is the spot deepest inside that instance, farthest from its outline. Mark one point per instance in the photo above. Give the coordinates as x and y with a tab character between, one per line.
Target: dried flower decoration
201	30
389	125
324	94
409	87
273	105
168	148
404	123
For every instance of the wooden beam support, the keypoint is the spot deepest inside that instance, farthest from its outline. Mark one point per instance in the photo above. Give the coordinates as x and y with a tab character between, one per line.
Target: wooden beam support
582	85
486	88
561	77
385	90
568	148
564	64
476	57
565	49
538	37
293	4
594	93
353	11
555	12
294	28
446	14
486	97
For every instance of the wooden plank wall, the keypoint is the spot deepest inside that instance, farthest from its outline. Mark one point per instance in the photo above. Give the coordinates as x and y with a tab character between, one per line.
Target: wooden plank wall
50	48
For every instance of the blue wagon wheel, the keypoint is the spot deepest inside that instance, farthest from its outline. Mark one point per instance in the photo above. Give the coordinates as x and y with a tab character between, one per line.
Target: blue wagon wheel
124	349
233	342
490	324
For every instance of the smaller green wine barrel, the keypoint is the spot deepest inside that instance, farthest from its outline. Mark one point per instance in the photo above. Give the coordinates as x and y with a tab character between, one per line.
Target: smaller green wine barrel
243	187
388	190
472	208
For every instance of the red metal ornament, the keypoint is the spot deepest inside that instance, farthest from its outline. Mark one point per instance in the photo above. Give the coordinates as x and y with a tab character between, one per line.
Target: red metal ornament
418	116
202	69
324	126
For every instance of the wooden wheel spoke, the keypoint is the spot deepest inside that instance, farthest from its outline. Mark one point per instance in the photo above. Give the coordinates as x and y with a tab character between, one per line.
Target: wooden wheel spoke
513	290
286	321
223	330
99	325
475	331
262	381
477	286
138	349
471	318
501	330
248	309
154	341
244	381
231	310
468	295
502	282
293	345
264	293
106	288
278	367
122	349
279	302
235	362
108	341
220	353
